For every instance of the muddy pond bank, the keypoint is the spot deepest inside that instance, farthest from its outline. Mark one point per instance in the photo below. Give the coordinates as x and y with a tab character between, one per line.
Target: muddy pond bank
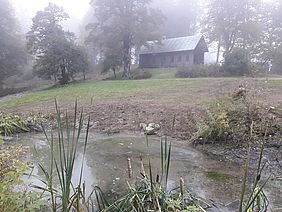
106	162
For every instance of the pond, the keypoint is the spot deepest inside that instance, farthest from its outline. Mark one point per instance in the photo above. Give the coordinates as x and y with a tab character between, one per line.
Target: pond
106	166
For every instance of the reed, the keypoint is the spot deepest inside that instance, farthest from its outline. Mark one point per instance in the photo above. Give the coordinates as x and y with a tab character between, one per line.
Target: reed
150	193
65	196
255	200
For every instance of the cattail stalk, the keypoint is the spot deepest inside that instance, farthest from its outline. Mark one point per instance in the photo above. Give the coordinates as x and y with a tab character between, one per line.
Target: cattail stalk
142	167
181	182
129	168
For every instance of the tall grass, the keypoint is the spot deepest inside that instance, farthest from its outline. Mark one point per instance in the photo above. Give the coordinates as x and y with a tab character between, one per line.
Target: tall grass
65	196
255	200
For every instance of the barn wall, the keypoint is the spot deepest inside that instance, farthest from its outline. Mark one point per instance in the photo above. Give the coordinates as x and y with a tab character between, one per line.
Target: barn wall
199	57
166	60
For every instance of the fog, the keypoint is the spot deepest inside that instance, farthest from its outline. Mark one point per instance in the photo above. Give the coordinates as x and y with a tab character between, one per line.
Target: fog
202	78
102	29
26	10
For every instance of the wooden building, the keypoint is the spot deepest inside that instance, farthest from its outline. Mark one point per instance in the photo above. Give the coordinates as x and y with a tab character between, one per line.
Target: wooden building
173	52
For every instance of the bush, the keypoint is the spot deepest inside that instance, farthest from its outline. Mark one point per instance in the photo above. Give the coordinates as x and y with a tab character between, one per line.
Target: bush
137	74
200	71
237	63
240	119
11	124
11	173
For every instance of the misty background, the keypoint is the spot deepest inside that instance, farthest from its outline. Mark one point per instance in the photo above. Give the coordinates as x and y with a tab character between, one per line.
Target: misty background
249	30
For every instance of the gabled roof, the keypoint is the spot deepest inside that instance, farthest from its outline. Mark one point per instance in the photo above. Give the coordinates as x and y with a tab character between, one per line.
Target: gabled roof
188	43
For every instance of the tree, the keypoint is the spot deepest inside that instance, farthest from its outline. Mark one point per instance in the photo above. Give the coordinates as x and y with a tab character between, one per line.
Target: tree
112	62
12	52
57	55
125	24
277	22
232	23
271	36
237	62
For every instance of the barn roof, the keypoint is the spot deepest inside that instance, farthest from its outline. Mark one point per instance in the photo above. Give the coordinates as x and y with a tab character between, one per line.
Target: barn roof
188	43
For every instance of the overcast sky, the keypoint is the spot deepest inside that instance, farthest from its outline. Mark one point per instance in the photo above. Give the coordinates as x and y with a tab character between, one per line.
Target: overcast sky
75	8
26	10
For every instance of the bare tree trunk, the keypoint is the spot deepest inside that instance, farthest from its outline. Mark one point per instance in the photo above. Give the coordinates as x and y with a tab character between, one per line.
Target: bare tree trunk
84	75
126	56
126	65
115	75
65	78
218	49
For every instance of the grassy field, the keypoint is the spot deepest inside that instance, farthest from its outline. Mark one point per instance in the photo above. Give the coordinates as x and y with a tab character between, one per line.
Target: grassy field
99	90
163	88
163	73
275	83
119	105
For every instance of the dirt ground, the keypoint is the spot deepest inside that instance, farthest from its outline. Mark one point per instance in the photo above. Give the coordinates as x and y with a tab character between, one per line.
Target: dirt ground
177	110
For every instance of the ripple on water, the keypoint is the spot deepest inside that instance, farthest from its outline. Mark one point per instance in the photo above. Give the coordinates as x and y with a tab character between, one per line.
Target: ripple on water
106	162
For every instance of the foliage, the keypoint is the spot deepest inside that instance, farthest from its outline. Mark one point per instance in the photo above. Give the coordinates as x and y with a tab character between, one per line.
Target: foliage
11	124
254	26
11	173
231	23
237	63
268	47
57	55
120	27
141	74
163	73
217	129
240	119
200	71
136	74
11	43
112	62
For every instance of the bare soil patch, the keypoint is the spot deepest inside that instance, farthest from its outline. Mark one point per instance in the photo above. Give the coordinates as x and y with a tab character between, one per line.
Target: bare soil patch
181	99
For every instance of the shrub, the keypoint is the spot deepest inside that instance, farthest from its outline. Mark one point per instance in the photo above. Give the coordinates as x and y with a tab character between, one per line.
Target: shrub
217	128
240	119
11	173
10	124
140	74
200	71
237	63
136	74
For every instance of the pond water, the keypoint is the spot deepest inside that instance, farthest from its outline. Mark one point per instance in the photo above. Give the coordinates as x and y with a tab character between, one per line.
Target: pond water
106	166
